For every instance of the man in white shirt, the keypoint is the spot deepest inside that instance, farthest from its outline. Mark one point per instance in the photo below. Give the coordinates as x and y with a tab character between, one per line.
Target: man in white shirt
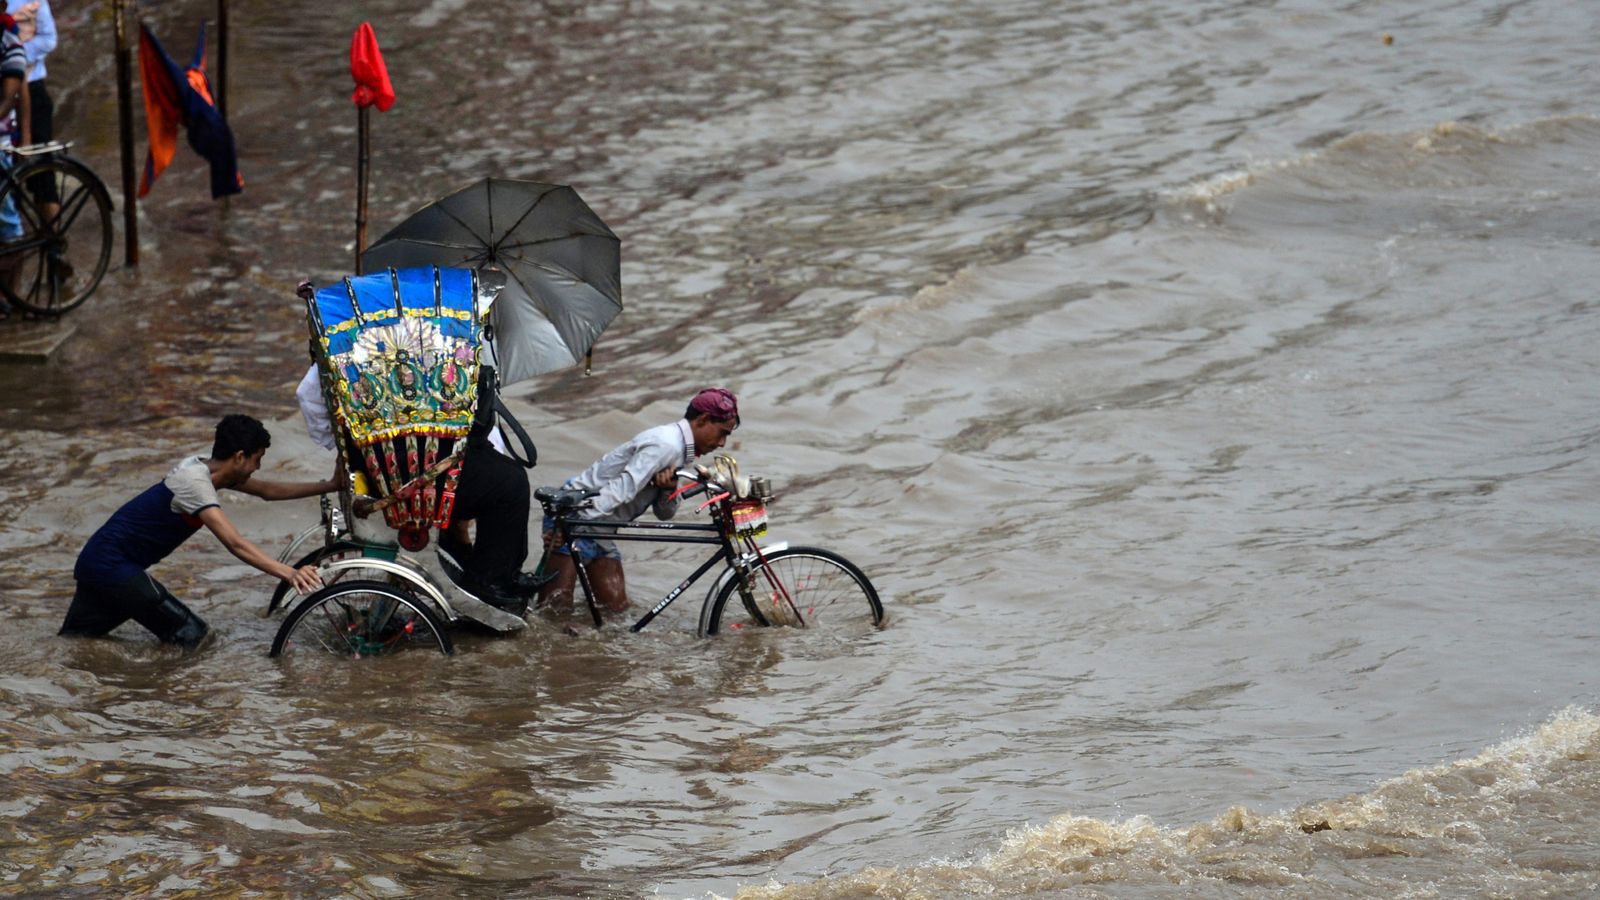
636	476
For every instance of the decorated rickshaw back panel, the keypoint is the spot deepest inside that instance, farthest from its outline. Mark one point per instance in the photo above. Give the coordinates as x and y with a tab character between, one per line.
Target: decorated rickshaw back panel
398	354
401	352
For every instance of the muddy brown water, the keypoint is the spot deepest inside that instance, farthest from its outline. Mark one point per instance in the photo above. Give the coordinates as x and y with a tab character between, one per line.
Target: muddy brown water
1208	387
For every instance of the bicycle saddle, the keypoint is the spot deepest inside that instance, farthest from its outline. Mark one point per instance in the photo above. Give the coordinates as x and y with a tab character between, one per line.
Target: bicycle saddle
563	499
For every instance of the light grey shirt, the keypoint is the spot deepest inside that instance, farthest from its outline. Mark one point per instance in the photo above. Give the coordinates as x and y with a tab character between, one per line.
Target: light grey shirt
191	487
623	476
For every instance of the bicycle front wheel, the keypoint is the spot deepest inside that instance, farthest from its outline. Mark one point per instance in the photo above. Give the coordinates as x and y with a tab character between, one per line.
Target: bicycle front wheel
361	619
66	235
796	586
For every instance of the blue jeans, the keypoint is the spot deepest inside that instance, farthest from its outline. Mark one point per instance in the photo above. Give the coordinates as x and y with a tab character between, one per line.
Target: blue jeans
10	216
589	549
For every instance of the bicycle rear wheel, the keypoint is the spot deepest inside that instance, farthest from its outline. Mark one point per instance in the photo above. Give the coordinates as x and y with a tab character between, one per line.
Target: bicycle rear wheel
361	619
61	257
796	586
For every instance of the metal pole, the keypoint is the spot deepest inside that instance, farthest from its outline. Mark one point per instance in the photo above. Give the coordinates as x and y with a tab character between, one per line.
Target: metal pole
130	187
363	153
222	59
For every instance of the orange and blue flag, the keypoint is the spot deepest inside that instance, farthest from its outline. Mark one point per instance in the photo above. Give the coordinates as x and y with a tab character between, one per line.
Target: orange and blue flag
176	96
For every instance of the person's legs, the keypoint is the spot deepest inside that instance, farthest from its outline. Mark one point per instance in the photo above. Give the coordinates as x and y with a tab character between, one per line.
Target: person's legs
97	609
493	491
43	124
605	576
601	560
557	593
10	231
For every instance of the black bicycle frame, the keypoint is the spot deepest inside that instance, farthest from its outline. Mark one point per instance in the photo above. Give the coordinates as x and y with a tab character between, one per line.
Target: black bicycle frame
575	529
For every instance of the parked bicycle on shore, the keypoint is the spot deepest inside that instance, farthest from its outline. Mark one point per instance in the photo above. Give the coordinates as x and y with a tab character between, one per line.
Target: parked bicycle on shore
65	215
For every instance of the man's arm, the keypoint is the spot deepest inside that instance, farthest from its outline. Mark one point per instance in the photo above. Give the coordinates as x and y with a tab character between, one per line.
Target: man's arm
11	94
286	490
623	487
305	579
665	505
43	40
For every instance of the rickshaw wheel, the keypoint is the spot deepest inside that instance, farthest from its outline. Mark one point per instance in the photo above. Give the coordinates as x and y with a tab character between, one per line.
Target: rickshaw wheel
361	619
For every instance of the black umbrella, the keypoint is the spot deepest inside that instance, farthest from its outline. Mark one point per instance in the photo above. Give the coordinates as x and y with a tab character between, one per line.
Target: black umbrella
563	266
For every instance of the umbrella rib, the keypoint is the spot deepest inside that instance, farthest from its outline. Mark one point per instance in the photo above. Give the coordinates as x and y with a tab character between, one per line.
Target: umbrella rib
529	211
470	230
429	242
551	240
557	270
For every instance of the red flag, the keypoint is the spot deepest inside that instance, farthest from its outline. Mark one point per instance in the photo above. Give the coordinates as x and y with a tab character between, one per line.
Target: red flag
367	68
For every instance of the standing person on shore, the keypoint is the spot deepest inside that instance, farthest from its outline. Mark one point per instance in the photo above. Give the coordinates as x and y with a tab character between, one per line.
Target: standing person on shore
14	131
113	584
36	26
639	475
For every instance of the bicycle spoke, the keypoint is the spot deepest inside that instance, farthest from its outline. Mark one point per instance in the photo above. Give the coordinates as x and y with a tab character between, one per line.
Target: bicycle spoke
339	629
798	587
361	619
71	208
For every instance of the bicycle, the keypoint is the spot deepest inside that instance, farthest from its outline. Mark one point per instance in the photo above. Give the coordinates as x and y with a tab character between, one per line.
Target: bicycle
63	211
775	584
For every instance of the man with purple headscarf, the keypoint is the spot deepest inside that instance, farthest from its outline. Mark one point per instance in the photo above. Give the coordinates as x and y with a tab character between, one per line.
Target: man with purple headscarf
636	476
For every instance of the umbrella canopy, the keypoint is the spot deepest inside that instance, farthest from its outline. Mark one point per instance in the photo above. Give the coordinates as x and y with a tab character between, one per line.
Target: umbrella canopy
562	266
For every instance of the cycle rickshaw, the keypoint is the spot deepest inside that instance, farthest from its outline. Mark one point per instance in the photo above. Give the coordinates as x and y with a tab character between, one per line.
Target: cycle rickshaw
400	358
400	355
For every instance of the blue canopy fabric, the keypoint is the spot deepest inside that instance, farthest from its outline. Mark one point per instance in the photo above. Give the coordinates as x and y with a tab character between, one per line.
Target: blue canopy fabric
400	351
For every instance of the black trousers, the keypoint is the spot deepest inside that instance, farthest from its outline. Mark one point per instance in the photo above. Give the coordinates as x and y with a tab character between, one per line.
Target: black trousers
98	608
493	492
42	122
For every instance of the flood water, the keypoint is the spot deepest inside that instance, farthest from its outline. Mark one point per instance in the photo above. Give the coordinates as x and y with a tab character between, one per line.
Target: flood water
1207	385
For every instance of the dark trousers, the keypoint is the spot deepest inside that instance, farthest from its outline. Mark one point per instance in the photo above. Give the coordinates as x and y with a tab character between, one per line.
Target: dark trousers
493	492
98	608
43	124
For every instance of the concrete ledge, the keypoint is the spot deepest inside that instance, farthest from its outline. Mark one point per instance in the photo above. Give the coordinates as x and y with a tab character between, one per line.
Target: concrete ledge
32	342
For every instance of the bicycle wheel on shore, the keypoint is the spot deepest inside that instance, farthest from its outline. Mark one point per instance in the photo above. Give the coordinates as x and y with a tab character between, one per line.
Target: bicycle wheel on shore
796	586
63	252
361	619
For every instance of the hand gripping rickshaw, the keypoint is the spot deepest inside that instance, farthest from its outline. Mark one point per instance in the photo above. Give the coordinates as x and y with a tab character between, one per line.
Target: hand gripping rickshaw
400	356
